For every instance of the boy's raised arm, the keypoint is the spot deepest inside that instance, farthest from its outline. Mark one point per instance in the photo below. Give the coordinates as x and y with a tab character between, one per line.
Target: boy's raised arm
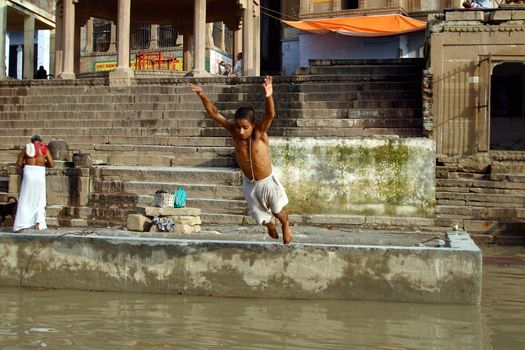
269	107
210	107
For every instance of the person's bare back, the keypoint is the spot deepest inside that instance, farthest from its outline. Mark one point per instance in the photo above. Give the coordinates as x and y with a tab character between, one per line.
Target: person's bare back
252	148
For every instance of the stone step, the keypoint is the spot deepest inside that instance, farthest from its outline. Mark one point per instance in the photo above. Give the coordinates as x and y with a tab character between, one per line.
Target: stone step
173	127
410	87
361	103
350	123
197	190
339	110
106	123
188	175
165	161
381	73
319	94
114	131
327	132
62	211
507	199
333	101
413	62
207	205
477	185
481	212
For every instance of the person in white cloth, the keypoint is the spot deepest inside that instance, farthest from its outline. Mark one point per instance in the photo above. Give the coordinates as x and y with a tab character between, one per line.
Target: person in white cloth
34	159
264	193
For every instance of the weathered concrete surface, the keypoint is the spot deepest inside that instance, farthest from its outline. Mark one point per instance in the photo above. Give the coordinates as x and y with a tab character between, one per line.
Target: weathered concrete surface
244	265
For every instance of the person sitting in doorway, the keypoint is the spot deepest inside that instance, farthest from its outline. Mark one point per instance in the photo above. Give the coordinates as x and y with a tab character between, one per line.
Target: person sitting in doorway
237	68
41	73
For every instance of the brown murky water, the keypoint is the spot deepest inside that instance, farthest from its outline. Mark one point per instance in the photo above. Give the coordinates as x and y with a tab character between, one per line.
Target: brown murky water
36	319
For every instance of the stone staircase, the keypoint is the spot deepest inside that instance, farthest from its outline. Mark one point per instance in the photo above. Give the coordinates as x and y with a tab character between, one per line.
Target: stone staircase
155	134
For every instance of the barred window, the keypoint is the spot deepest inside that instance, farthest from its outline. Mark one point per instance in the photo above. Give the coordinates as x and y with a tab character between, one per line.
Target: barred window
167	36
140	39
228	36
101	35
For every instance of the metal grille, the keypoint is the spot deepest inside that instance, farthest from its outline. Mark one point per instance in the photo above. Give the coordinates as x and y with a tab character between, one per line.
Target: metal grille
101	35
140	39
167	36
228	37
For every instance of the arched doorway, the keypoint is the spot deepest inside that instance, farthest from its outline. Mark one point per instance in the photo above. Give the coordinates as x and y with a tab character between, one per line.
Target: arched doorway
507	107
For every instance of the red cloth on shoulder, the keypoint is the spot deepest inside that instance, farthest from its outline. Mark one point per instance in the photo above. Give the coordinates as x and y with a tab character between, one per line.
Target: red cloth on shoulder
40	148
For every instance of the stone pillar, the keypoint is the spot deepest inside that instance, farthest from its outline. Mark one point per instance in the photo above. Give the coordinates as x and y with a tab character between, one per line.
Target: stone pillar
89	36
237	44
122	73
52	52
76	59
257	40
247	41
113	38
69	40
199	33
210	43
59	39
187	40
3	32
222	44
29	47
154	37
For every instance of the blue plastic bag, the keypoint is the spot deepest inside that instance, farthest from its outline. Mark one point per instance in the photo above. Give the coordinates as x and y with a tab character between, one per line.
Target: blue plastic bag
180	198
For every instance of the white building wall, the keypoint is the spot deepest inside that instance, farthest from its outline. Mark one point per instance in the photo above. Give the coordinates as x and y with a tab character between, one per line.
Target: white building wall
290	56
337	46
43	44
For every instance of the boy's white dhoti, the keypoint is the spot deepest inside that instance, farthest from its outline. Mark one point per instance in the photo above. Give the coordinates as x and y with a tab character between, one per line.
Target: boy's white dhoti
32	199
264	197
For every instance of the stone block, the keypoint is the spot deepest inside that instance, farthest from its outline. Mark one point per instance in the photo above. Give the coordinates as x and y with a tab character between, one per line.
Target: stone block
137	222
179	229
477	226
502	15
185	220
84	190
156	211
465	16
14	183
518	15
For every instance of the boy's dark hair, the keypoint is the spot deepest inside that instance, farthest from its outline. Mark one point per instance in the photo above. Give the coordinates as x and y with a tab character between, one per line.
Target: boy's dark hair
247	113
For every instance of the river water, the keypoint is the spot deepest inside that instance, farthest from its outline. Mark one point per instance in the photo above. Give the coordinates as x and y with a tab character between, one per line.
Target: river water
53	319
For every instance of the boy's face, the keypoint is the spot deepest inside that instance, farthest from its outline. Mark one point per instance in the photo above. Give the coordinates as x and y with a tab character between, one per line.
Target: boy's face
244	128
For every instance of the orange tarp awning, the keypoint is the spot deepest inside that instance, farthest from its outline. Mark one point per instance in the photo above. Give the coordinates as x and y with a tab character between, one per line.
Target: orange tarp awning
362	26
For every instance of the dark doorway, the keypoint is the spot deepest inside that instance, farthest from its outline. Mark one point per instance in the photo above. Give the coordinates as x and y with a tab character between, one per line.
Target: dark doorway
270	37
11	70
507	117
349	4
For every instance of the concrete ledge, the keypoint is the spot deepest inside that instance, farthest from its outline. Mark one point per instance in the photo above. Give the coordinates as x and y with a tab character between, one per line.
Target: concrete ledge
243	268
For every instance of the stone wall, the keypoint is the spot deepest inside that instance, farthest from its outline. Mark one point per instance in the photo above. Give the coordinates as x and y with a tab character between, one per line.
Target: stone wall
381	176
243	268
464	48
66	185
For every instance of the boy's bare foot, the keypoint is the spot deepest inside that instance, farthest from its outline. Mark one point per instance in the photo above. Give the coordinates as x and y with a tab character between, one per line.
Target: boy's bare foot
287	234
272	231
37	226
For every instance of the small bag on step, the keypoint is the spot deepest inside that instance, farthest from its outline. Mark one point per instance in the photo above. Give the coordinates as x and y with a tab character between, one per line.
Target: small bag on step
163	199
179	198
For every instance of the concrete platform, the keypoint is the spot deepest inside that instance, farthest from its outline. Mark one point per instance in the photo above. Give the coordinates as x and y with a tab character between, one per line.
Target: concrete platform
245	262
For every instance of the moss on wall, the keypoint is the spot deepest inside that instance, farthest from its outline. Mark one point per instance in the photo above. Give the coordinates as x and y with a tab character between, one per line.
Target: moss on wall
361	176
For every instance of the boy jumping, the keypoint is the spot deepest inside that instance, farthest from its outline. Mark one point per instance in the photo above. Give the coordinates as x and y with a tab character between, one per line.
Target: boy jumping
264	193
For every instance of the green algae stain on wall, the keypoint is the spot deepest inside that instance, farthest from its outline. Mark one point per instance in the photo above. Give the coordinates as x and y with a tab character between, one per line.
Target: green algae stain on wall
357	176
